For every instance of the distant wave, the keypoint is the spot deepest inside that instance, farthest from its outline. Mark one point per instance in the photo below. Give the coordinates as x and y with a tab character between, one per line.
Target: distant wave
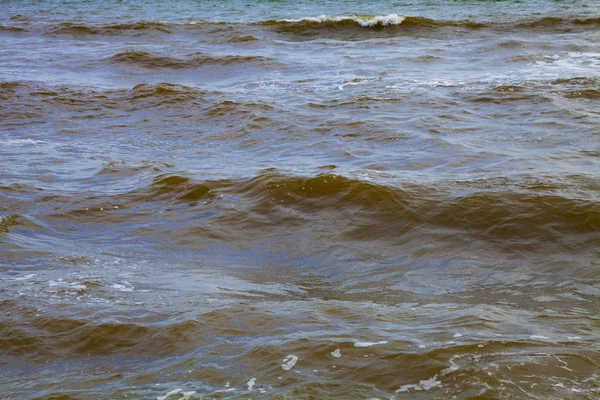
391	20
360	27
553	22
344	26
149	60
11	29
366	21
113	29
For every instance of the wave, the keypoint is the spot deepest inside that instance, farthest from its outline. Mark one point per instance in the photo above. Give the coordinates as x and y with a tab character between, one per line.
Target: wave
27	103
8	221
395	20
365	21
21	98
243	39
50	336
272	203
378	21
114	29
345	27
158	61
363	27
589	94
554	22
15	29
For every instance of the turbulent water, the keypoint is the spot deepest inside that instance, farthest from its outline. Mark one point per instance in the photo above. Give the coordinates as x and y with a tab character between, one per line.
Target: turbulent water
300	200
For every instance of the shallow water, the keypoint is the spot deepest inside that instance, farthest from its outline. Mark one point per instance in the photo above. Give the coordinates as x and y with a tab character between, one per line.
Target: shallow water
333	199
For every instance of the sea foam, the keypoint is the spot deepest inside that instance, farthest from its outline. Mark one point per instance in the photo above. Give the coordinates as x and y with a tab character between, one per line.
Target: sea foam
362	20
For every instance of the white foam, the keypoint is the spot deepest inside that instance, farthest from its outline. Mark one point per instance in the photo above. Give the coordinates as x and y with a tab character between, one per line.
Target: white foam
457	335
546	298
122	288
453	367
66	285
289	362
422	385
224	390
357	81
169	394
366	21
369	344
184	395
336	353
574	337
251	383
538	337
24	278
20	141
565	64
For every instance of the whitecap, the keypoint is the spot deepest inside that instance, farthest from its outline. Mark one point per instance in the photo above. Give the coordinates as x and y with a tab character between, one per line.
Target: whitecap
369	344
453	366
122	288
20	141
336	353
366	21
422	385
24	278
538	337
169	394
289	362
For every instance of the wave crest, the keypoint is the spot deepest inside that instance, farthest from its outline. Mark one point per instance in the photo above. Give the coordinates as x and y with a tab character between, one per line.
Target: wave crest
365	20
158	61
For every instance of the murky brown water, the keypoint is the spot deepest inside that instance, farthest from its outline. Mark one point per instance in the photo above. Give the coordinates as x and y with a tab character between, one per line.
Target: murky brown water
310	200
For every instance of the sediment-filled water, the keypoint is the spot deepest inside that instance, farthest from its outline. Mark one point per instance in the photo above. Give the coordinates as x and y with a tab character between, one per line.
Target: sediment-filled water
300	200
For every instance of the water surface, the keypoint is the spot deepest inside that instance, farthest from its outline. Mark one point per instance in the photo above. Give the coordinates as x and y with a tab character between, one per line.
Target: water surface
300	200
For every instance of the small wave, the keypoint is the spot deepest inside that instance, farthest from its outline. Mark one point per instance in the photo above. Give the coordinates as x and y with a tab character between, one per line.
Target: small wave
46	100
581	80
158	61
365	21
243	39
8	221
359	27
391	20
5	85
589	94
356	27
164	90
554	22
11	29
83	338
114	29
425	58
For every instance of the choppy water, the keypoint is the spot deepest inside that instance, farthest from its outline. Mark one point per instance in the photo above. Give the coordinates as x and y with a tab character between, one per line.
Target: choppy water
300	200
